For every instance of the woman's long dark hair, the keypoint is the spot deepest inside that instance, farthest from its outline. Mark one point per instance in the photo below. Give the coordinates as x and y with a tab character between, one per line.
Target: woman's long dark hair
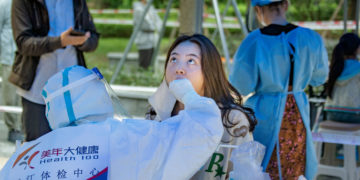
347	46
216	85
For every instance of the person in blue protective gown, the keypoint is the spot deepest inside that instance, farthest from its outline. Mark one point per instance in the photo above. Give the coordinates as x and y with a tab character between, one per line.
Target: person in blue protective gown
87	142
273	65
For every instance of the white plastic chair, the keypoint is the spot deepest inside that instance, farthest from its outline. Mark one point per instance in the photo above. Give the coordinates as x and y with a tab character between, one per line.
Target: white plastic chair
340	133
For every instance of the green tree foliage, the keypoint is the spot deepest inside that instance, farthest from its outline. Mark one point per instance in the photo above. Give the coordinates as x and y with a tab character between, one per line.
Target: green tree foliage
112	4
312	10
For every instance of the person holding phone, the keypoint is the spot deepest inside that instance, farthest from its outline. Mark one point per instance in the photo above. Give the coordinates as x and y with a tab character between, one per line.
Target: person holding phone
44	34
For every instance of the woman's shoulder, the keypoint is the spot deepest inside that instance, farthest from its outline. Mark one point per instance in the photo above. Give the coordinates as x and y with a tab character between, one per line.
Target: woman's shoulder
238	117
241	130
307	34
248	44
351	71
252	36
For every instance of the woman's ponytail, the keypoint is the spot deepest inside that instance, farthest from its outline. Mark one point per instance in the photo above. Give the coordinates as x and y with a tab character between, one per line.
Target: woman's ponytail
336	67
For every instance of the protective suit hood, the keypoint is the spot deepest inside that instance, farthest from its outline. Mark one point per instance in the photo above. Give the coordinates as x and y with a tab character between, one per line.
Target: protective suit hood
67	95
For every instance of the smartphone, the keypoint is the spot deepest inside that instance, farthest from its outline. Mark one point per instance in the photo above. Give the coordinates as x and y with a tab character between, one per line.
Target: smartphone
76	32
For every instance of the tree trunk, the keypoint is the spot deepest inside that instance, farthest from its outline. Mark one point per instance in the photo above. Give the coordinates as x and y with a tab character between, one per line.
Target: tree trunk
190	16
352	9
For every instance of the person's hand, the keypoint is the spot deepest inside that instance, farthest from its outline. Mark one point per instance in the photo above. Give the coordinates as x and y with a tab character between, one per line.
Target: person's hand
67	39
180	87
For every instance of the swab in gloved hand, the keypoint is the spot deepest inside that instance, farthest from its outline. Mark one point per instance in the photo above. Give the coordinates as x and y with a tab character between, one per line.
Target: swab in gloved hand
182	89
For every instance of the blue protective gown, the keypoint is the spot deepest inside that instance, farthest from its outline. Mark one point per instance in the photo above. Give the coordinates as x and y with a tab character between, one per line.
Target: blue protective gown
351	69
262	67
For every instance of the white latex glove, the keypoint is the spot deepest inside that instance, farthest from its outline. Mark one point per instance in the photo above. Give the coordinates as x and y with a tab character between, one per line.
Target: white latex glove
182	89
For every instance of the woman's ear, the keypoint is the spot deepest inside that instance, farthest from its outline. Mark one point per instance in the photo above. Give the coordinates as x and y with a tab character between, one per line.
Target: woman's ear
258	11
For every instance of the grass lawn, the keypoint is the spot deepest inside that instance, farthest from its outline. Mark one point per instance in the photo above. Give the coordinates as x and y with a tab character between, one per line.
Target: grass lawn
129	74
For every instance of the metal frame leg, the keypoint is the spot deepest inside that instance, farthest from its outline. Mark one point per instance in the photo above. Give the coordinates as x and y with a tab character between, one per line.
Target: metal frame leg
345	15
240	19
213	36
199	16
357	16
222	35
154	58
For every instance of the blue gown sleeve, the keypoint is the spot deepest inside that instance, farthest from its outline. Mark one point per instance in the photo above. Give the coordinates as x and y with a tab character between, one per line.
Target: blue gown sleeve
244	74
321	69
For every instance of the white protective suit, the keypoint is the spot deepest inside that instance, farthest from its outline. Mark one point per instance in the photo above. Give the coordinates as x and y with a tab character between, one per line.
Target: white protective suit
83	145
163	102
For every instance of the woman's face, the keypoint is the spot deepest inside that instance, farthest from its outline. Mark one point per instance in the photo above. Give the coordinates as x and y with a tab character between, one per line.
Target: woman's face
185	62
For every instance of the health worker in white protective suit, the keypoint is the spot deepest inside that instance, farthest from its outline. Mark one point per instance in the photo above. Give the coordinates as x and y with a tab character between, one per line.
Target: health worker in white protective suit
88	143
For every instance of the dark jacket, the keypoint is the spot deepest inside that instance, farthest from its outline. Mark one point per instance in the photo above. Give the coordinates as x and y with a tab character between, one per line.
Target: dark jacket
30	23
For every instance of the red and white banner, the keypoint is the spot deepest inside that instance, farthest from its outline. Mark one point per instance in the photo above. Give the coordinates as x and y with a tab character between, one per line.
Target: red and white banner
130	11
124	11
168	24
315	25
329	25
